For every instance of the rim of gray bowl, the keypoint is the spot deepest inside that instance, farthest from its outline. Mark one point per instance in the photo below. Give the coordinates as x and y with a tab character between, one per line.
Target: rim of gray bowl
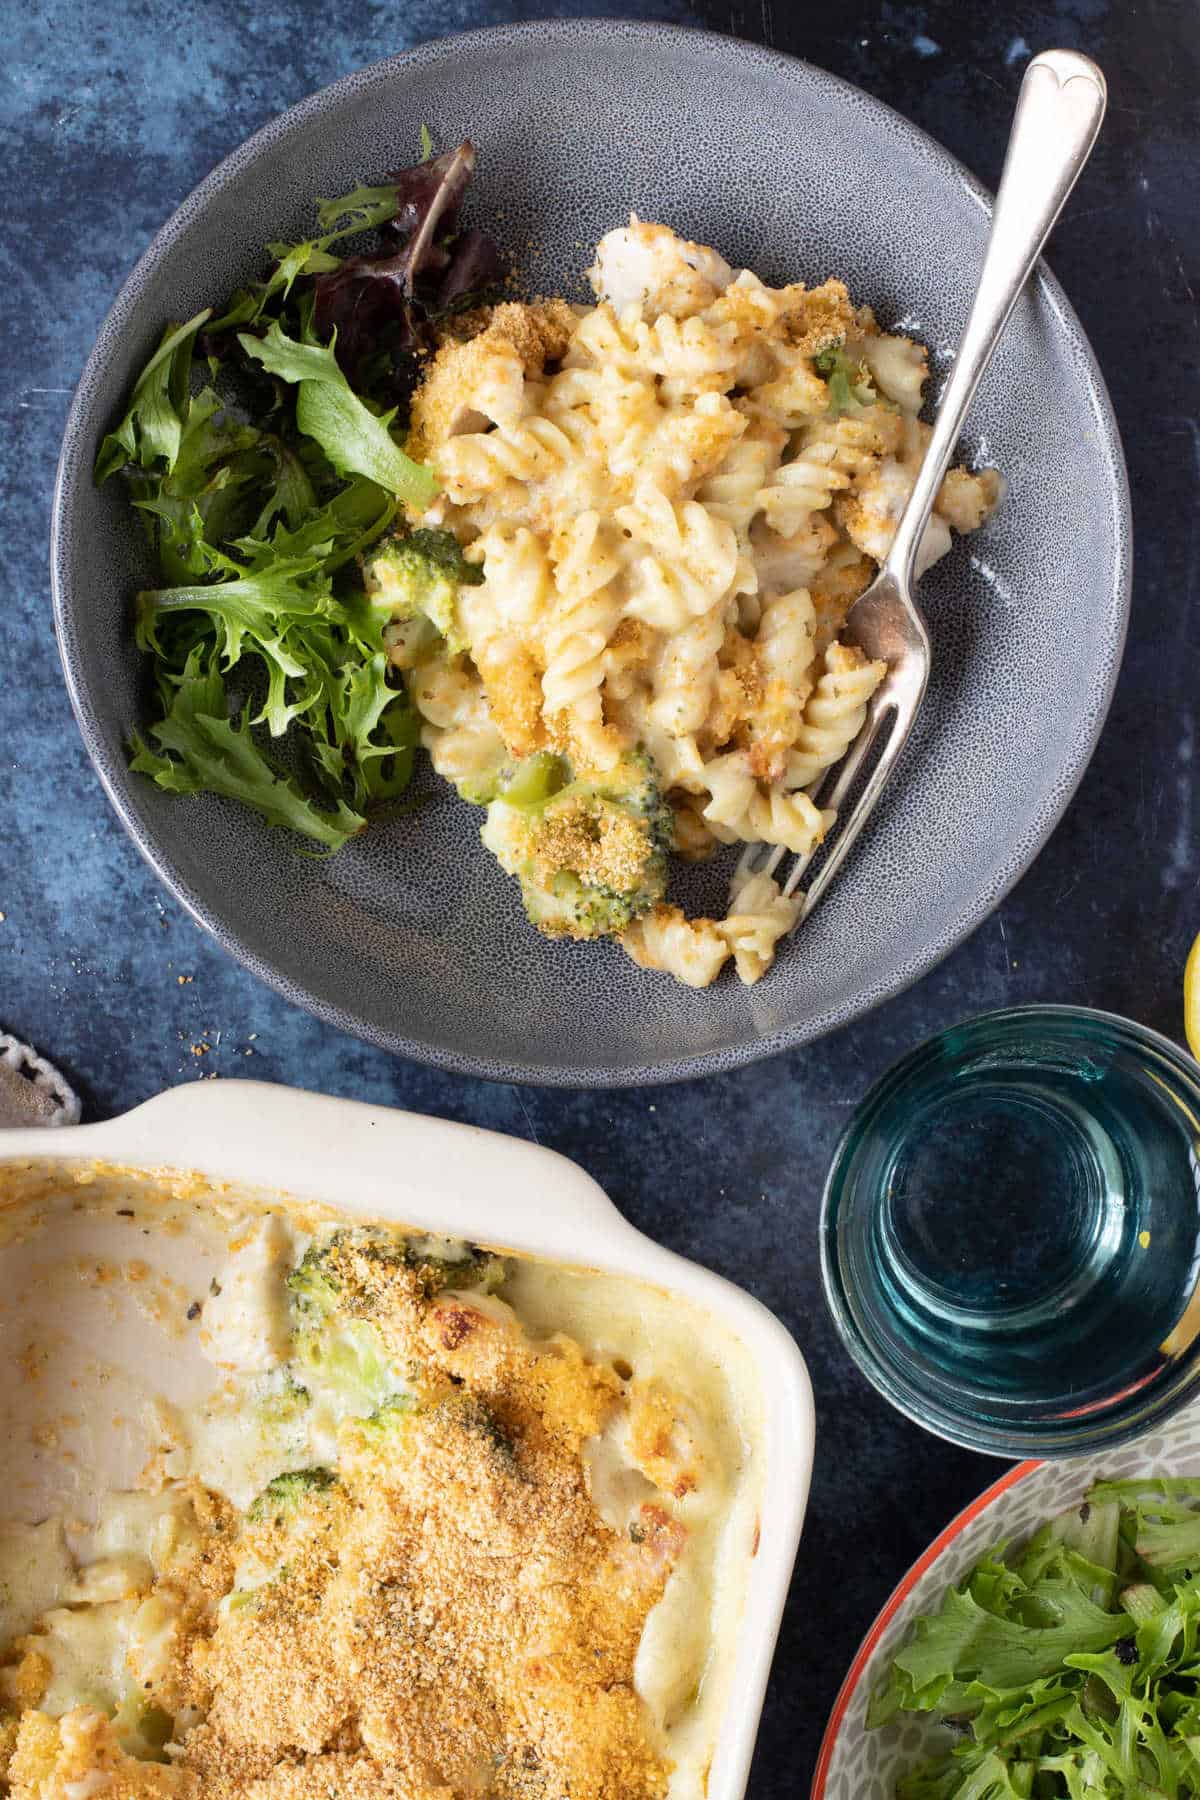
710	1061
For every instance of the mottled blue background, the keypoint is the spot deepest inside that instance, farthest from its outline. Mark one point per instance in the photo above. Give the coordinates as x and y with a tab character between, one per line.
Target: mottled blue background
109	114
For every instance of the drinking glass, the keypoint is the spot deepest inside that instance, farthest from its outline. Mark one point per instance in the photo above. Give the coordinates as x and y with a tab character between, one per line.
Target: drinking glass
1010	1233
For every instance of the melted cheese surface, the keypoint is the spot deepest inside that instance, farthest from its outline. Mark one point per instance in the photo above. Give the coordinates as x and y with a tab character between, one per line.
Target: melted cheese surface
533	1517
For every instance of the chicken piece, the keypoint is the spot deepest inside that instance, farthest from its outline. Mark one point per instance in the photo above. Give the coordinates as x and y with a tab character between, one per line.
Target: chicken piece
648	266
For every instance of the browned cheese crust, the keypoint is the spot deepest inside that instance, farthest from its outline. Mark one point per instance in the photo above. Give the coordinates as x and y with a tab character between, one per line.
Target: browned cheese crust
452	1618
537	333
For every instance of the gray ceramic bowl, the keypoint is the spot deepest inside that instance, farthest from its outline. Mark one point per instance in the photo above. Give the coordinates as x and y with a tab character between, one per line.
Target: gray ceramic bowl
412	936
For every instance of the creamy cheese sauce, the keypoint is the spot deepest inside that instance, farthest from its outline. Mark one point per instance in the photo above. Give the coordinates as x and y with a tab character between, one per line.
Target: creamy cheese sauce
150	1326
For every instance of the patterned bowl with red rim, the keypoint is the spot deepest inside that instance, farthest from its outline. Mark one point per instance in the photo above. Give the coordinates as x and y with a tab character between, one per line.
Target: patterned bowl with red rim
857	1764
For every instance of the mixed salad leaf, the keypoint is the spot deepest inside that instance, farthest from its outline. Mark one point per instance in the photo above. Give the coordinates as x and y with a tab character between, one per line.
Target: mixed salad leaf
1070	1669
429	266
263	449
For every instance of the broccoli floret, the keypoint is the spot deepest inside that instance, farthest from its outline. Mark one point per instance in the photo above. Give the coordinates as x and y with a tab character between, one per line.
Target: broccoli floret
313	1285
347	1356
283	1497
475	1416
481	790
455	1266
382	1427
348	1273
534	778
590	855
382	1435
537	780
329	1341
417	575
341	1285
849	383
284	1401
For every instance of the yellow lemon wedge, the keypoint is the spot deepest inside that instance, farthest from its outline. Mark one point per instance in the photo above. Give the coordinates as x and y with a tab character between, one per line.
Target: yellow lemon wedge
1191	1000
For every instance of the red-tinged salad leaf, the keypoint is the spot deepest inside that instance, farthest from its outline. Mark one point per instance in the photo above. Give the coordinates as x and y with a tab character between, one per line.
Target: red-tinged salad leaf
393	295
430	195
348	216
475	268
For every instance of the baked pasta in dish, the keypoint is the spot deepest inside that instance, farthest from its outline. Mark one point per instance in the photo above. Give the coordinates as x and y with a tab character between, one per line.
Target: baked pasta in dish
619	617
437	1524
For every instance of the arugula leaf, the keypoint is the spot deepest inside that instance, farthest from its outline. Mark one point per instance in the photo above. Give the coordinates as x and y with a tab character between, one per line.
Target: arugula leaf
1072	1669
281	587
355	440
262	488
1001	1653
153	426
362	706
343	527
208	753
360	210
203	495
290	495
344	217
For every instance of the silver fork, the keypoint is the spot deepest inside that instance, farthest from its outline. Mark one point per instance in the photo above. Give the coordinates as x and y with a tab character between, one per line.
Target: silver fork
1058	115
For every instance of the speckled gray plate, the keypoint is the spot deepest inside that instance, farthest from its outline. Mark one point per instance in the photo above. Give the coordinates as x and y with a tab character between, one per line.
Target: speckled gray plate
412	936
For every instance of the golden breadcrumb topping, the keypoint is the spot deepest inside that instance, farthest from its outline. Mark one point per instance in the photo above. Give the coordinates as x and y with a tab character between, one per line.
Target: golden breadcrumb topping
444	1615
522	336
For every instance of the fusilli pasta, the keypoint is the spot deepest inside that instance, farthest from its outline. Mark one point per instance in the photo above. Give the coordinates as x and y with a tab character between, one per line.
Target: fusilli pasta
674	497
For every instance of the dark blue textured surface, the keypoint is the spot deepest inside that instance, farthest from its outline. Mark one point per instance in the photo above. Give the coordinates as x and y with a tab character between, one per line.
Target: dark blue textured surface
109	115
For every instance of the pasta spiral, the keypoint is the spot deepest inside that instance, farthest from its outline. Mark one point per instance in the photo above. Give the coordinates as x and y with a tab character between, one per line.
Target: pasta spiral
758	917
517	586
446	694
899	368
477	463
686	560
689	354
686	674
585	614
730	786
692	950
674	497
833	715
799	488
734	491
785	639
772	816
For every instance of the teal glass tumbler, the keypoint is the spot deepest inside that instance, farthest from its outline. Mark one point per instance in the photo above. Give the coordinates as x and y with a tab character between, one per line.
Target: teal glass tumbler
1010	1233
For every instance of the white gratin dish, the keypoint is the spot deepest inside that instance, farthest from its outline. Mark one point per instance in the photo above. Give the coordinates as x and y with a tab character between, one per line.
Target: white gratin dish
461	1182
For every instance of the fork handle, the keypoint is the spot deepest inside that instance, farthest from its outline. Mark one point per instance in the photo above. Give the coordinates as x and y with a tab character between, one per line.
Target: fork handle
1057	119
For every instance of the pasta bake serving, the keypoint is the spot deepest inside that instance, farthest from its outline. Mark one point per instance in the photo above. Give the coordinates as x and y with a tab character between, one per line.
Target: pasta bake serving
603	581
414	1520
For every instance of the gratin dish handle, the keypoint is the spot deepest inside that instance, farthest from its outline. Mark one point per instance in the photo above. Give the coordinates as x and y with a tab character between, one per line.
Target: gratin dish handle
375	1160
1057	120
